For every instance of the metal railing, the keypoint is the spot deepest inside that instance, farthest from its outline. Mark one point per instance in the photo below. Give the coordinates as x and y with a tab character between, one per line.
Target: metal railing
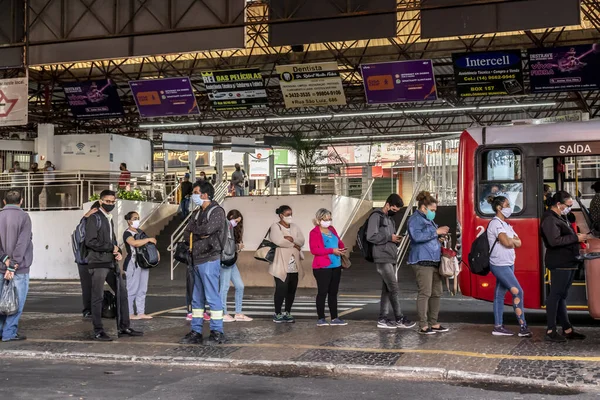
356	208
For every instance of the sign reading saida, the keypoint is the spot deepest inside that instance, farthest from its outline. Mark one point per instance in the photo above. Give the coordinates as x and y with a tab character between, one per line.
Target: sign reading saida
240	89
311	85
488	74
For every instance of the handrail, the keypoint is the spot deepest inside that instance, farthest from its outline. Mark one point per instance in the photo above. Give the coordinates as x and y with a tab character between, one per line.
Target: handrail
356	208
166	200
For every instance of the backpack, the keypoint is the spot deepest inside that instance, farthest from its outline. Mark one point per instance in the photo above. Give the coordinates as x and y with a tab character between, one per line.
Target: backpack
227	240
109	305
366	247
146	256
479	257
78	241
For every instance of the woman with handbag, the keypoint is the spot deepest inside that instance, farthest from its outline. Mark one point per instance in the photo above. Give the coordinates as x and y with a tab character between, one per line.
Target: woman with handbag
137	277
232	273
328	249
425	256
286	267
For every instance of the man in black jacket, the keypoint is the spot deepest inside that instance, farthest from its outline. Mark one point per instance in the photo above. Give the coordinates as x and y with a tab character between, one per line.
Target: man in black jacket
562	249
103	254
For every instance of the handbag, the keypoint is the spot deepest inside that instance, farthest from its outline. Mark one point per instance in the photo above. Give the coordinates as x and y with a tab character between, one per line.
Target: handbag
449	265
266	250
346	263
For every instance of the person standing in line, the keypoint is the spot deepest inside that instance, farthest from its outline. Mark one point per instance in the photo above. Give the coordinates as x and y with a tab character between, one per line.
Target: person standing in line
186	194
562	247
206	227
425	255
124	177
103	253
381	232
286	268
16	244
595	204
328	248
137	277
85	278
232	273
503	241
237	179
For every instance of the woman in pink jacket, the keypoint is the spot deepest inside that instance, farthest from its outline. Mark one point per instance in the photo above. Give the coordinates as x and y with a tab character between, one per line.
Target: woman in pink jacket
328	248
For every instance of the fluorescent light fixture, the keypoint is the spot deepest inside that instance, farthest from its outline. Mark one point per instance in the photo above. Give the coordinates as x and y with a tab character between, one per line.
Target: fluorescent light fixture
232	121
169	125
523	105
435	110
368	114
299	117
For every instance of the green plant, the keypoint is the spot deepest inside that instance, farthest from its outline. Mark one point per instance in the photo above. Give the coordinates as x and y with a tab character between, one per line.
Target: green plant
310	153
133	195
95	197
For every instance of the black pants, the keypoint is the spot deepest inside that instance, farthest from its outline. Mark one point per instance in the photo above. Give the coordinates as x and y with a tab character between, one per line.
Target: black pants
86	287
390	292
556	303
328	284
285	291
99	276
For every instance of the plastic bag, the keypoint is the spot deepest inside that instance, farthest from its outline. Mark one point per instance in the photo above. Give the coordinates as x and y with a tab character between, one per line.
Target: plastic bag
9	300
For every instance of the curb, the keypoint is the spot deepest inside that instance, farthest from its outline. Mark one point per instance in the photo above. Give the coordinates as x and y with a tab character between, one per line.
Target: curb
301	368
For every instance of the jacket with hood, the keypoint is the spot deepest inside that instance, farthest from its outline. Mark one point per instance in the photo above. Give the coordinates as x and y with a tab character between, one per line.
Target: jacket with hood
206	232
380	229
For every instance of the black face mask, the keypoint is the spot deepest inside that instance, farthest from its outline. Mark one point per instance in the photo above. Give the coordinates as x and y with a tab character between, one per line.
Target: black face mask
391	213
108	207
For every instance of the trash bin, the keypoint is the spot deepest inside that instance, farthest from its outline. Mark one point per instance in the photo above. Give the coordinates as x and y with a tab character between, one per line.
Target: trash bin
592	277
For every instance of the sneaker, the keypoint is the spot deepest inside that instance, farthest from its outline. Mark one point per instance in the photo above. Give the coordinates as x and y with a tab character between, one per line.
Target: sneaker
385	323
574	335
338	322
288	318
192	338
278	319
243	318
428	331
502	331
554	336
405	323
228	318
322	322
216	337
17	338
102	337
189	317
440	329
525	332
87	314
129	332
207	315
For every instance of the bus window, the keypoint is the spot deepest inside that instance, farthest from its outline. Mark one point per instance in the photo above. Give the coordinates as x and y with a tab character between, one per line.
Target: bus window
501	176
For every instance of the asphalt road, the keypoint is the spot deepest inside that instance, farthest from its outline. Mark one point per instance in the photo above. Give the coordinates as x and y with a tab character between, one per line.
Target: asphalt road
42	379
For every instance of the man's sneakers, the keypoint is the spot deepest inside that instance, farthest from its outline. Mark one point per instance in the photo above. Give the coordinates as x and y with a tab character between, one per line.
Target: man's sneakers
502	331
216	337
555	337
427	331
129	332
17	338
86	314
192	338
385	323
440	329
102	337
404	323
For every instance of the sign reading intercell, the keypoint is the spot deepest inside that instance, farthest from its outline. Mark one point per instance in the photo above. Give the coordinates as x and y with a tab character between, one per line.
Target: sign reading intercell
93	99
164	97
311	85
13	102
240	89
489	73
399	81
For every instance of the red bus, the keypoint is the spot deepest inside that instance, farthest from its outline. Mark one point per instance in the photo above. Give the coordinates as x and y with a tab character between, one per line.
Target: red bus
517	161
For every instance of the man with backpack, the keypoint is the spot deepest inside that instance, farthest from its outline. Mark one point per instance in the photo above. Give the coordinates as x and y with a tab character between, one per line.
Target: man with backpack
84	276
383	241
205	231
102	257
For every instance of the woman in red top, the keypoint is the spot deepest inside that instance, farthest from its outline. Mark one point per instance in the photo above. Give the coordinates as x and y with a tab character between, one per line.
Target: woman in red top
125	177
328	248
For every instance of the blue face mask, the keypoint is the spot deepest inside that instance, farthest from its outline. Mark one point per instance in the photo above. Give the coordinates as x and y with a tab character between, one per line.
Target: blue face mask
197	200
430	215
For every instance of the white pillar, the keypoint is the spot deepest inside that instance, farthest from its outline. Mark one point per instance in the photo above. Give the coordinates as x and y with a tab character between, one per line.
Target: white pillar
219	166
192	159
44	145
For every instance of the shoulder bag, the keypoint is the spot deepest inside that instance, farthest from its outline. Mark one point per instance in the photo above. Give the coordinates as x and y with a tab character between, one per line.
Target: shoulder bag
266	250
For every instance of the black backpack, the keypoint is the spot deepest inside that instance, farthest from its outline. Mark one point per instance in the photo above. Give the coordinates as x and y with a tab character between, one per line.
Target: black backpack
109	305
147	255
479	257
366	247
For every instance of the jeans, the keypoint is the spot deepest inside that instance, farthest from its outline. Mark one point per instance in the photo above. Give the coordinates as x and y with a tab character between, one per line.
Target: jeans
390	293
239	191
206	289
137	286
507	281
285	291
556	303
328	284
108	275
429	283
86	287
232	274
9	324
185	207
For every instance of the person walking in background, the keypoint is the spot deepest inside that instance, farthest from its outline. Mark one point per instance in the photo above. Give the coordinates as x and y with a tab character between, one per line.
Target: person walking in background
562	248
595	204
85	278
124	177
186	194
425	255
137	277
16	243
328	248
381	232
286	268
503	241
232	273
237	179
49	182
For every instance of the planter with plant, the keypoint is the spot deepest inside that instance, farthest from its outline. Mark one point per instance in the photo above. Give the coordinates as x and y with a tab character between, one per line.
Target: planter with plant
133	195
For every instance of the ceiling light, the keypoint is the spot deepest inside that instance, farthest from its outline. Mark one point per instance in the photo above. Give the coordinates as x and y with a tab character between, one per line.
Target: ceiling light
299	117
169	125
525	105
435	110
368	114
232	121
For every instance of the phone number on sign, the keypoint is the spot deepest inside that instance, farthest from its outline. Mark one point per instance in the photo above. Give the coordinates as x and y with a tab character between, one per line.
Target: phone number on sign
496	77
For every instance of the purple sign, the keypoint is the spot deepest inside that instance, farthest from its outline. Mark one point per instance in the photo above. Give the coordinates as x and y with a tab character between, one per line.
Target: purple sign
93	99
564	69
164	97
399	81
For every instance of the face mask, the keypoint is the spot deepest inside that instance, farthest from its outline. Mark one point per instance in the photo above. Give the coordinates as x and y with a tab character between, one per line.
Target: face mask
108	207
288	220
507	212
391	213
197	199
135	224
325	224
233	222
430	215
566	211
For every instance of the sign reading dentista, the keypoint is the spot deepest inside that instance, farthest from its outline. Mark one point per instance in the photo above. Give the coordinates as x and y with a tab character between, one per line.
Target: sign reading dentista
164	97
13	102
311	85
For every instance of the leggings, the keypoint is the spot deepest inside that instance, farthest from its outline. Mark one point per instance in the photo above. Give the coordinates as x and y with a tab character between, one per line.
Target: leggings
328	284
285	291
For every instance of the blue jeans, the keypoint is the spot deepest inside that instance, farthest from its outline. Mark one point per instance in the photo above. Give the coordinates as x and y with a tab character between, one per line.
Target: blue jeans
9	324
185	207
507	281
206	289
232	274
239	191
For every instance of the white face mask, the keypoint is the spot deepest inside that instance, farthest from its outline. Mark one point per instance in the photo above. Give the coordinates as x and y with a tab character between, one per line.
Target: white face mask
325	224
507	212
288	220
566	211
233	222
135	224
197	199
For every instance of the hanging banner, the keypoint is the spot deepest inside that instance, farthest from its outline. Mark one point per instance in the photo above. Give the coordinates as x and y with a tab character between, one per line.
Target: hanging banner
81	148
164	97
239	89
93	99
259	165
13	101
565	69
498	73
399	81
311	85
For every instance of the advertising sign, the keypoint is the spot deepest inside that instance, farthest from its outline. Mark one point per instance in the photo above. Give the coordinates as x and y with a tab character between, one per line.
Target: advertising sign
164	97
399	81
93	99
311	85
81	148
498	73
259	165
239	89
564	69
13	101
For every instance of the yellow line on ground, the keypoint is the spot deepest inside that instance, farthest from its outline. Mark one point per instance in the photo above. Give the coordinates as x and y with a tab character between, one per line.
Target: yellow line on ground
359	349
350	311
166	311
